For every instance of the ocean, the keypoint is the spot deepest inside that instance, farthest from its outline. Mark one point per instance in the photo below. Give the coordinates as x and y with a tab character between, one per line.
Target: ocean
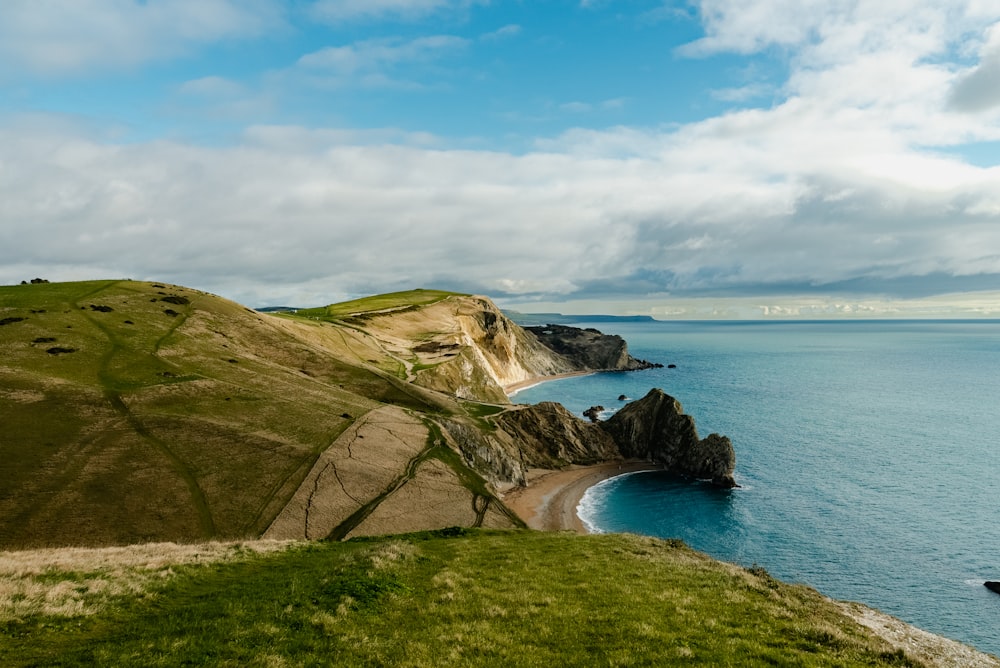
867	454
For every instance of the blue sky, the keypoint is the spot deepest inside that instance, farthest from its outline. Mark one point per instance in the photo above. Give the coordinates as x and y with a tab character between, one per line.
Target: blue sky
721	158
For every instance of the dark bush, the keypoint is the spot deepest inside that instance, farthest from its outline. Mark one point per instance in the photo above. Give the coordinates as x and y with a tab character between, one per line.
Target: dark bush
176	299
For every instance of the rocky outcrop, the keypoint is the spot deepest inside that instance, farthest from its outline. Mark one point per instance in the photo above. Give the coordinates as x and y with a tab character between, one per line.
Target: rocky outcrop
589	349
544	435
465	347
547	435
656	428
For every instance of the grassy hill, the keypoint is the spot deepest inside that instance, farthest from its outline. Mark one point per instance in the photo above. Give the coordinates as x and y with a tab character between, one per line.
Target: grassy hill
139	411
448	598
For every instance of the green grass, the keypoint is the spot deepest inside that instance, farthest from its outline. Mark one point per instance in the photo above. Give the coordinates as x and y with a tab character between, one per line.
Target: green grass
459	598
367	305
178	415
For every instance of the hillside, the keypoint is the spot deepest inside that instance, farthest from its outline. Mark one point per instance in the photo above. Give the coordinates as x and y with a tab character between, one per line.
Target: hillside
139	411
146	412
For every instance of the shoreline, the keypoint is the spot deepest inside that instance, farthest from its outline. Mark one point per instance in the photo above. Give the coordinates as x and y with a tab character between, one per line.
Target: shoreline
514	388
550	498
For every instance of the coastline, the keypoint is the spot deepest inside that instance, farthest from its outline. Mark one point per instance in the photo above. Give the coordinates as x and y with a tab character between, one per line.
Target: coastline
514	388
549	500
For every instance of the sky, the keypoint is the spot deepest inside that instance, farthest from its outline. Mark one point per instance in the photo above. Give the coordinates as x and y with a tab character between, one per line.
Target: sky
677	158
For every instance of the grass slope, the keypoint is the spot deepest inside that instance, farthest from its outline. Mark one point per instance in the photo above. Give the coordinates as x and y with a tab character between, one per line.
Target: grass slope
139	411
473	597
359	309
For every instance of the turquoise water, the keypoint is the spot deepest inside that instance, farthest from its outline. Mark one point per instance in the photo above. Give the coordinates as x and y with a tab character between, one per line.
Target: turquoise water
867	452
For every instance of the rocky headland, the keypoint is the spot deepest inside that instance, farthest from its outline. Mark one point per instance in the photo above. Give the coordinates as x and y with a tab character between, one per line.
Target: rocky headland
653	429
589	349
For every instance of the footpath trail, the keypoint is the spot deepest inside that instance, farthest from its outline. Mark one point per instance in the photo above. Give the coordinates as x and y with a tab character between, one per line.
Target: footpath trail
112	385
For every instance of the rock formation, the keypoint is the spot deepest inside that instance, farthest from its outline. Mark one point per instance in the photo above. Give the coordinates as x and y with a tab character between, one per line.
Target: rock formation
547	435
656	428
589	348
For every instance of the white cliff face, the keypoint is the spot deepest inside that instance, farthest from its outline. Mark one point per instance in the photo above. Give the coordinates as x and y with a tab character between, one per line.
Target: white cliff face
465	346
507	353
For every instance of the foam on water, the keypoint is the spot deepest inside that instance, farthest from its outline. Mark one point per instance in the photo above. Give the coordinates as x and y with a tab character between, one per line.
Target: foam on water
595	499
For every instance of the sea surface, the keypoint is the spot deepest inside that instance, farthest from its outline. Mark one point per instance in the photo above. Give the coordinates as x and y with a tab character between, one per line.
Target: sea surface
868	454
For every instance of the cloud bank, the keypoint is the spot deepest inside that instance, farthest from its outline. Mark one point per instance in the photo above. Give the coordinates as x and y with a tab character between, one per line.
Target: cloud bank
854	179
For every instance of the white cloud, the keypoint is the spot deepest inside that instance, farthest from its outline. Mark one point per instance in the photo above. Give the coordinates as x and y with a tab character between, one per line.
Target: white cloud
348	10
578	107
212	86
506	32
66	37
376	63
377	54
742	93
744	200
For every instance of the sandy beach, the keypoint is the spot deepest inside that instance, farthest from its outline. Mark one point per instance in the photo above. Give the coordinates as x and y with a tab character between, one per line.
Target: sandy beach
549	501
514	388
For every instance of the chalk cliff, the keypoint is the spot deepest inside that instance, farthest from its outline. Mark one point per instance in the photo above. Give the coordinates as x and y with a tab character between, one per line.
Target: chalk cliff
466	347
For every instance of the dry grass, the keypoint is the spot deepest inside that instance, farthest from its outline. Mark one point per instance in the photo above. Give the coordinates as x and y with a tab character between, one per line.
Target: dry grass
72	582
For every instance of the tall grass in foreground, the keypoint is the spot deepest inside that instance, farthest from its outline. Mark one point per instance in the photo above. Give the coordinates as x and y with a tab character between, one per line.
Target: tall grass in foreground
457	598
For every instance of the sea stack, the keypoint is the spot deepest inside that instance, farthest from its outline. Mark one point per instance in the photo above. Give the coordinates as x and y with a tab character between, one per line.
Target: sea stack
656	428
